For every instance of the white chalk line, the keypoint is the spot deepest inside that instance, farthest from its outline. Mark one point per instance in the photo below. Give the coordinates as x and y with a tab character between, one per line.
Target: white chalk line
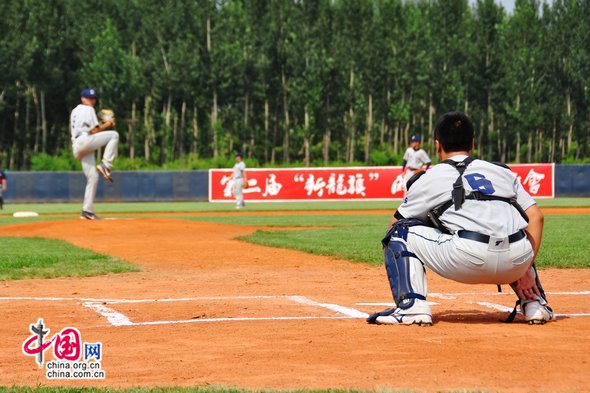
493	306
503	308
437	295
350	312
507	293
116	318
500	307
230	319
389	304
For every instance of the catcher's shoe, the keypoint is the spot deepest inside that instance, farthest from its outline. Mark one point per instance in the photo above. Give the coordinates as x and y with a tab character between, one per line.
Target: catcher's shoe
418	314
535	313
89	216
104	172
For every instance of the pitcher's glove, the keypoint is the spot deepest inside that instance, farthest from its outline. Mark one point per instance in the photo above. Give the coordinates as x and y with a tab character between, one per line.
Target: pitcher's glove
107	114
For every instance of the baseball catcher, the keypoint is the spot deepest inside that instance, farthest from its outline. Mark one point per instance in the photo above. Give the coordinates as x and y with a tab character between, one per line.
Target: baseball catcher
468	220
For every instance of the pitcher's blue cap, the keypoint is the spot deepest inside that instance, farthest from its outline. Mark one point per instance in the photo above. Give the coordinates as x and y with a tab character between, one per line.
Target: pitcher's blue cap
239	154
415	138
89	93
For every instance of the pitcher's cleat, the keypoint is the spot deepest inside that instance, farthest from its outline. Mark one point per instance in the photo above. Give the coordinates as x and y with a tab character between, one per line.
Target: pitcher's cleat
89	216
104	172
535	313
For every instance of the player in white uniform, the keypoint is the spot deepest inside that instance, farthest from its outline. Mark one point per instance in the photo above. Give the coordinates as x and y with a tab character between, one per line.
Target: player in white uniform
239	179
87	137
466	220
414	158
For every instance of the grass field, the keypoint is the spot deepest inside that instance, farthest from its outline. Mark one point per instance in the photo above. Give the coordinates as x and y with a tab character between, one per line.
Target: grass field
49	258
351	237
163	207
357	238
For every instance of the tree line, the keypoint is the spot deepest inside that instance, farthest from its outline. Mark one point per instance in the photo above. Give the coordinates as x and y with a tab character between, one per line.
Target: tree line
309	82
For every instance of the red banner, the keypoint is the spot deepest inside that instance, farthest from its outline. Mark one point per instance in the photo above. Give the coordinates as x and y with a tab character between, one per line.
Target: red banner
346	184
537	179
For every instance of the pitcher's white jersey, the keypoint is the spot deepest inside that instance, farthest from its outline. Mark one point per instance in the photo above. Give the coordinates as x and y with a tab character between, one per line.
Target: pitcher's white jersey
415	159
82	120
493	218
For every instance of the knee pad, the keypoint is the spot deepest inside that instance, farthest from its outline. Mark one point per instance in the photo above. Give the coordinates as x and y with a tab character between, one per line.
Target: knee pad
400	229
405	273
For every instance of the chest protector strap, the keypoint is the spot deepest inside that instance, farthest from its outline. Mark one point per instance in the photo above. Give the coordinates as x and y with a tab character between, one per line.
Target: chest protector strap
458	196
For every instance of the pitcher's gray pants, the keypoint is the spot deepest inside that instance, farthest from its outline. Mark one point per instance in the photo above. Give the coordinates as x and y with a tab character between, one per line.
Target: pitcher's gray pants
84	147
239	192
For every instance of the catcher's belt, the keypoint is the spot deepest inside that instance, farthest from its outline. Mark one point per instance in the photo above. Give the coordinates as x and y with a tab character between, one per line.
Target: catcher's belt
480	237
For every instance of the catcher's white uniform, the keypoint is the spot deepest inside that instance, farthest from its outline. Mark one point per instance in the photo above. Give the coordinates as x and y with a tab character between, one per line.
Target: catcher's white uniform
82	120
479	239
461	259
414	160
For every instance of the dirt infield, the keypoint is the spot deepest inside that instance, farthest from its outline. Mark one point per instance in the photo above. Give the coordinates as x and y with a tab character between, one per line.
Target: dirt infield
210	310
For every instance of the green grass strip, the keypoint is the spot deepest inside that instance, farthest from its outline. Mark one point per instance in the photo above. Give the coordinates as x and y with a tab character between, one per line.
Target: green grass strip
160	207
565	242
163	207
49	258
357	238
303	220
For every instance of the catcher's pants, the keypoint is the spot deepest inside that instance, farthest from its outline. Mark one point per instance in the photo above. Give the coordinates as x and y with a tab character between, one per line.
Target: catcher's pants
238	191
84	147
469	261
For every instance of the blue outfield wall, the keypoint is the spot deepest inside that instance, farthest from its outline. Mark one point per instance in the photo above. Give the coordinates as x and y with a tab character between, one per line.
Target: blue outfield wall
146	186
572	180
136	186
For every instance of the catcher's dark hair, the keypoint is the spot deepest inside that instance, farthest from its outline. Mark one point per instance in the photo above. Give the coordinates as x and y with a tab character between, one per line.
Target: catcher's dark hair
454	131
